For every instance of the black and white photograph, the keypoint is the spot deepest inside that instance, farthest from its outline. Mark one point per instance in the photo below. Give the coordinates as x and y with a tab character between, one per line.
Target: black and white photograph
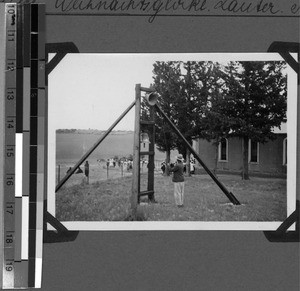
172	141
150	145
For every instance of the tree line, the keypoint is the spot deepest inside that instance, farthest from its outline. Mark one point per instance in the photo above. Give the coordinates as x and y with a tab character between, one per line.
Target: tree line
211	100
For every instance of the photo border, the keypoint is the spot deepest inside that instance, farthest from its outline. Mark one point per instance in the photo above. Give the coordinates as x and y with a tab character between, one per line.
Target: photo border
200	225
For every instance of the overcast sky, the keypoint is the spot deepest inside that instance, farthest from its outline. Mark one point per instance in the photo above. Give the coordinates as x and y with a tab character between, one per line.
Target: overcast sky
92	90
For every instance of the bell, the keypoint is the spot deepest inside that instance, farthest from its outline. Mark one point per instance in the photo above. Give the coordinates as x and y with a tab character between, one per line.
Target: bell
151	98
144	138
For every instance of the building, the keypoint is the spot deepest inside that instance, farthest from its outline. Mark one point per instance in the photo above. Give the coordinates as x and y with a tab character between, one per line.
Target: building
268	158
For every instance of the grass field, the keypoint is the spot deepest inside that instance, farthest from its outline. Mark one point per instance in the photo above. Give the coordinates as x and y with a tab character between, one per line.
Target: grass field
262	199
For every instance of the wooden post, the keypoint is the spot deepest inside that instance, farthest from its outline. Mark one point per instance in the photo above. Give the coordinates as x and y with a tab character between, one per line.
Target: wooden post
136	152
151	164
188	162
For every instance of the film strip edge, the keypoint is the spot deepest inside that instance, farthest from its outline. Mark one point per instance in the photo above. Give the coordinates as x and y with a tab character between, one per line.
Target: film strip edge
11	184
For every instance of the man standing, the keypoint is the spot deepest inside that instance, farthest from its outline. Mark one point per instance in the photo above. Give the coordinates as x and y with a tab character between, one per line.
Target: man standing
87	171
178	180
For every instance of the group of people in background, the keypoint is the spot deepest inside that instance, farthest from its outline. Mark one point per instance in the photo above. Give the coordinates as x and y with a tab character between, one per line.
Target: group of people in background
122	163
178	169
111	162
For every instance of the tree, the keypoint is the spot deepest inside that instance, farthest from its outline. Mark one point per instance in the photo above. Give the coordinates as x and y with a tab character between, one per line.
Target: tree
216	125
214	101
191	97
165	81
202	92
184	89
256	102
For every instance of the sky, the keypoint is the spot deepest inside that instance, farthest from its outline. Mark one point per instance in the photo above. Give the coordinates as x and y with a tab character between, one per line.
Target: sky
93	90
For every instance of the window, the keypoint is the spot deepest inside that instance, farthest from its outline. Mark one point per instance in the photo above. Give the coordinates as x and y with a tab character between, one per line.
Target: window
253	151
223	150
285	152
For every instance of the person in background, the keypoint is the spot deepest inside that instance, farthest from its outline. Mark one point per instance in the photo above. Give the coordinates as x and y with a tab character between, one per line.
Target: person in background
163	167
87	171
178	179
